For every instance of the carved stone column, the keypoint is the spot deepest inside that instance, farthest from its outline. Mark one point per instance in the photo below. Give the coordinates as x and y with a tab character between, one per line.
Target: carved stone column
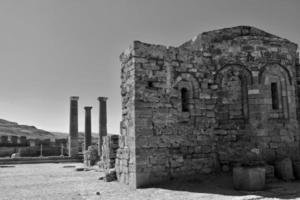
73	137
88	127
102	123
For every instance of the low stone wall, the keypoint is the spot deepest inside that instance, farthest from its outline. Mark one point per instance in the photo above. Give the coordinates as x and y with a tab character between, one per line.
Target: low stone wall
32	151
34	160
109	151
15	141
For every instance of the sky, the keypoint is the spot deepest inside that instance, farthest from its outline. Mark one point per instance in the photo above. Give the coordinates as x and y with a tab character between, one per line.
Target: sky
53	49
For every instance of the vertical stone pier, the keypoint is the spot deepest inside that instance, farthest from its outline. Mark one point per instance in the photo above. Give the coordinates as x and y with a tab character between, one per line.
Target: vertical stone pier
88	131
102	123
73	137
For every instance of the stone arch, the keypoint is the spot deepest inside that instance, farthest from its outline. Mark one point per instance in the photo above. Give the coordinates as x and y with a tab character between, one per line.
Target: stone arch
232	105
279	67
276	74
187	82
246	73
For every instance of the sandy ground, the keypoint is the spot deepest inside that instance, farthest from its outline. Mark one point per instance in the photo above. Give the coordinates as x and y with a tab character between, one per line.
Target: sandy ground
53	181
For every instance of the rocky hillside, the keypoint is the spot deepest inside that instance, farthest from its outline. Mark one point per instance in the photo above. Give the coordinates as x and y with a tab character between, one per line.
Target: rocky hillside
12	128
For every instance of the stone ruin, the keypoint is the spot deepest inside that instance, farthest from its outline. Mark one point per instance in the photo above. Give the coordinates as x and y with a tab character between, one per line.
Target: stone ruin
105	151
207	105
73	144
107	145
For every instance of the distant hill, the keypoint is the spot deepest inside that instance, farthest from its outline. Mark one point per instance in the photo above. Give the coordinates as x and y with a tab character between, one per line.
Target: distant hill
31	132
14	129
60	135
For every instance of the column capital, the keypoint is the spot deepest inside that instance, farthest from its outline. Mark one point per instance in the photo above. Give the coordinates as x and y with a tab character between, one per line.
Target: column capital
75	98
88	107
102	98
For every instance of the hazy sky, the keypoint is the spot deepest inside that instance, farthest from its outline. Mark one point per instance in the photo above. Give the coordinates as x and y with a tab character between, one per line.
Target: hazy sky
53	49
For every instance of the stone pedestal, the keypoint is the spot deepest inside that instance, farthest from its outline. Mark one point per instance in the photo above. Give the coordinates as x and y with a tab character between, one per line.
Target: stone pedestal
88	131
73	137
249	178
102	123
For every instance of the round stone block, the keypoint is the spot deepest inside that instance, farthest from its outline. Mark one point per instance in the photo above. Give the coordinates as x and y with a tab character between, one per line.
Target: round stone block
249	178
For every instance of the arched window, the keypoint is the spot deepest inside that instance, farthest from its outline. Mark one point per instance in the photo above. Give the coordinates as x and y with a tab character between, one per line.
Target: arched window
276	84
274	95
184	100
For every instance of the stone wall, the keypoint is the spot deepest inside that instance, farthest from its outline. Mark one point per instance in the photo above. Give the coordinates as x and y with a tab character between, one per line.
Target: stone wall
30	147
210	103
126	162
11	140
31	151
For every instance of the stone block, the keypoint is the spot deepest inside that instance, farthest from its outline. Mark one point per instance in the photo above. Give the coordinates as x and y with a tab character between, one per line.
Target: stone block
262	132
249	178
273	145
284	169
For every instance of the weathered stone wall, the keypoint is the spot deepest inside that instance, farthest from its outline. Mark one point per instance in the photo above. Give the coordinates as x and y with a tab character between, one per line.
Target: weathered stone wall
170	142
109	151
125	161
256	61
208	103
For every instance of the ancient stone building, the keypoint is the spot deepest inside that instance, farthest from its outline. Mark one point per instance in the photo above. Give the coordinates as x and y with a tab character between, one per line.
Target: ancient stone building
207	105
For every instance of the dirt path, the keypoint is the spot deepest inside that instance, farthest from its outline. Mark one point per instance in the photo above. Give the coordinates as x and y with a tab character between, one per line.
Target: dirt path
53	181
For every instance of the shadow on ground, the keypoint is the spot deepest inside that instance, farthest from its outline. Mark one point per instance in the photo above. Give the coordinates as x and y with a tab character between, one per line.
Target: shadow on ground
223	185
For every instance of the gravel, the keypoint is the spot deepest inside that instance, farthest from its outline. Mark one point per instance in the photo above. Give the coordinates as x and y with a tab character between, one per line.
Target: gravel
53	181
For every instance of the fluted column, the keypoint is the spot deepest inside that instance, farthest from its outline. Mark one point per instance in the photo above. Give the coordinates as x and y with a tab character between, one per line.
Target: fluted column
88	127
73	137
102	123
